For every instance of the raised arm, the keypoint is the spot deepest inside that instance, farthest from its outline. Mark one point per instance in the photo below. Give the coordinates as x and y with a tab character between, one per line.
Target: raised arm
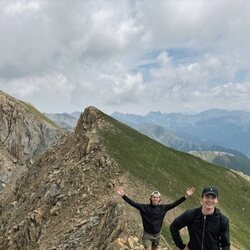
120	191
189	192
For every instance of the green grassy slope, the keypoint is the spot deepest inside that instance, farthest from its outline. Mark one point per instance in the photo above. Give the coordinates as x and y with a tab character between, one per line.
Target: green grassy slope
171	171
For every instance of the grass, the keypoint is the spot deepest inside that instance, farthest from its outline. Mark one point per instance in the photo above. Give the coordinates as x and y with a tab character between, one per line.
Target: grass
171	171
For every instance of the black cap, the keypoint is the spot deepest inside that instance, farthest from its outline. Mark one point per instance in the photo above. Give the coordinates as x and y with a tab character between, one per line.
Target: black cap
210	190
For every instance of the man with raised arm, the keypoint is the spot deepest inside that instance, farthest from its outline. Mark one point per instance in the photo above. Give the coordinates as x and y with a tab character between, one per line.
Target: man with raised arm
152	215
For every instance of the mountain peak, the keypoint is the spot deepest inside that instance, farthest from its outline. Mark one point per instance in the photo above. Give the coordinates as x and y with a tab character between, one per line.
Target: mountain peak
88	119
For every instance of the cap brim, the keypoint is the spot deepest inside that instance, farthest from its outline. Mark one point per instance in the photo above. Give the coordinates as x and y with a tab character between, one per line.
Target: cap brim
211	193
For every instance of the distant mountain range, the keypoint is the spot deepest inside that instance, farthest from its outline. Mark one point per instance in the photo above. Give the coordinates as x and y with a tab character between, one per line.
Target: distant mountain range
229	129
171	139
67	121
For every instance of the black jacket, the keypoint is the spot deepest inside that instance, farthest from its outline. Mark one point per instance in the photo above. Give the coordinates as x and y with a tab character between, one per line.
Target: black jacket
210	232
152	216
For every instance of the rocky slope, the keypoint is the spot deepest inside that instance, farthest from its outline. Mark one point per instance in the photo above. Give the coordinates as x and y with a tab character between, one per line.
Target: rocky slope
24	131
65	199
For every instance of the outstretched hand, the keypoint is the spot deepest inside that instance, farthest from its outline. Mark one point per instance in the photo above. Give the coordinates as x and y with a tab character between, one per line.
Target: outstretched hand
189	192
120	191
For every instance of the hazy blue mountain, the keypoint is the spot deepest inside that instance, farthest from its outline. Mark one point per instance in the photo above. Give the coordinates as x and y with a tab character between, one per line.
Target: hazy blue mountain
75	114
67	121
166	137
229	129
173	140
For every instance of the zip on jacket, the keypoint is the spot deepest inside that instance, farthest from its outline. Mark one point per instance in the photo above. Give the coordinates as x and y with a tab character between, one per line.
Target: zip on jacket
203	232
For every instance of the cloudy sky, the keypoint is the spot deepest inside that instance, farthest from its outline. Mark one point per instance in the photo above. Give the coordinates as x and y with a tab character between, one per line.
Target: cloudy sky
128	56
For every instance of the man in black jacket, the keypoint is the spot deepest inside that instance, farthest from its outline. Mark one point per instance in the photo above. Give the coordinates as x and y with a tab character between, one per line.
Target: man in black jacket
208	228
152	215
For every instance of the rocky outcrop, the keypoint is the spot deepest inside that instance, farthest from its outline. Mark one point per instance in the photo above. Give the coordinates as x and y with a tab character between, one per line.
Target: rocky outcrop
24	131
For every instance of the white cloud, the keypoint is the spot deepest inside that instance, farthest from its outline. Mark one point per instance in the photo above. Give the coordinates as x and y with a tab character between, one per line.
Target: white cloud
125	87
16	7
49	85
126	55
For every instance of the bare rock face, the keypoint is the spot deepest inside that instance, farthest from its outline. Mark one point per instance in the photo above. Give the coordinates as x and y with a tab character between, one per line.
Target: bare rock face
24	131
8	169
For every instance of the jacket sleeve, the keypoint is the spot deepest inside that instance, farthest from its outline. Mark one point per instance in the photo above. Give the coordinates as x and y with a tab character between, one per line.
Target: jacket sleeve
225	235
175	228
131	202
174	204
